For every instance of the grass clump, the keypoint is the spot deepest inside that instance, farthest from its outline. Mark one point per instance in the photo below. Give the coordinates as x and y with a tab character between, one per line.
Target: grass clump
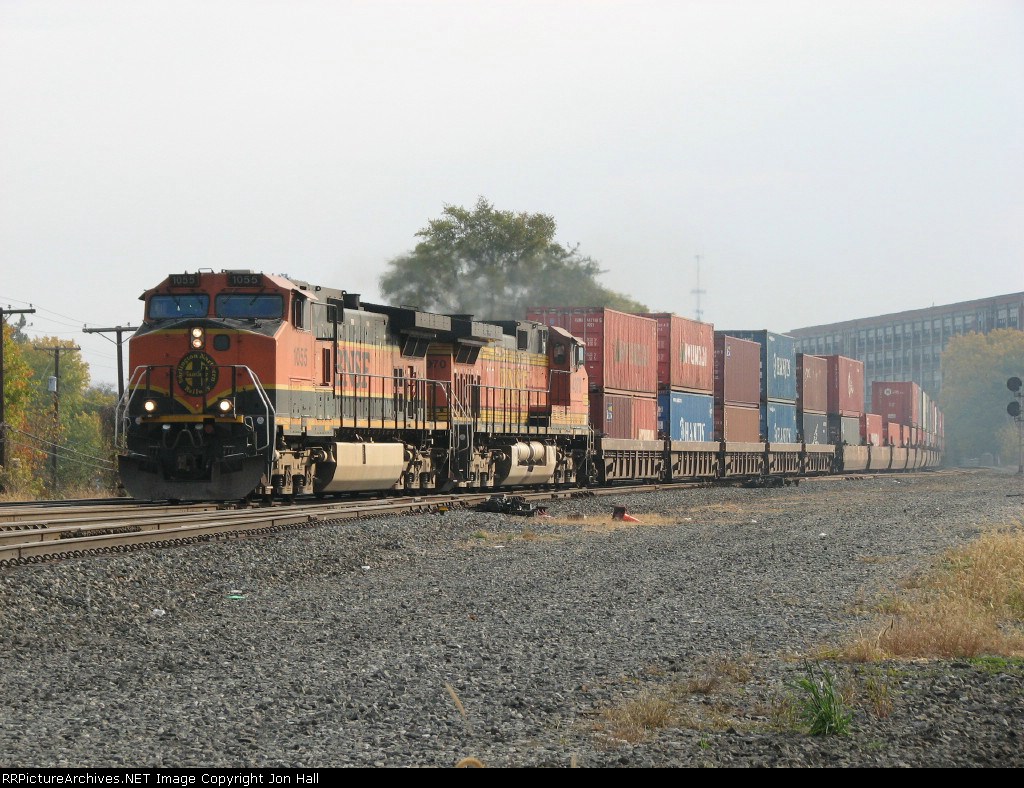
821	706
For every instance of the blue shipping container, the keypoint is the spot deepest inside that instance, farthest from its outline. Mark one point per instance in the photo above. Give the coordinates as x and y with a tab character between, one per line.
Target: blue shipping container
778	422
815	428
686	417
778	364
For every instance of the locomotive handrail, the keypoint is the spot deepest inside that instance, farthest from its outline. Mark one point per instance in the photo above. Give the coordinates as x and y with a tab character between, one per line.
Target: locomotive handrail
133	389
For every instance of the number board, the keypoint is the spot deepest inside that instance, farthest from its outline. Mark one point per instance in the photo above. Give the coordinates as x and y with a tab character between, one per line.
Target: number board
183	280
245	280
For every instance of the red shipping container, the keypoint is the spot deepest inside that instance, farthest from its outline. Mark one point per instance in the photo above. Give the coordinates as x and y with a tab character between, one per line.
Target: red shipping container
737	371
621	349
686	353
845	386
623	416
738	423
811	383
893	433
905	434
871	429
897	401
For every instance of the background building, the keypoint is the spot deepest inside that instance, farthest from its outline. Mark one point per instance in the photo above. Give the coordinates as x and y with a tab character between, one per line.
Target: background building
907	345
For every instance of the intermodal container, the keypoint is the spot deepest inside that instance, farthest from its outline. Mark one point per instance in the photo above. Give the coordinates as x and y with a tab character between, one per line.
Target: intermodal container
740	423
844	429
845	386
621	349
686	353
737	371
815	428
905	434
624	416
811	383
893	433
778	364
685	416
898	401
871	429
778	422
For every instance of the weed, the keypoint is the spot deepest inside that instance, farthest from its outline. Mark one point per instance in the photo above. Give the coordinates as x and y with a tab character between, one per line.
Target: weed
821	707
633	720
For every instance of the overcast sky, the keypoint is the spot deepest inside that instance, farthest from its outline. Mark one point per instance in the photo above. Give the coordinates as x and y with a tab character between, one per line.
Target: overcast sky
824	160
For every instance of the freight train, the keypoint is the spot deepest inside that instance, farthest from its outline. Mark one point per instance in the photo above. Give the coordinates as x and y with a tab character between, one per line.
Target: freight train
248	385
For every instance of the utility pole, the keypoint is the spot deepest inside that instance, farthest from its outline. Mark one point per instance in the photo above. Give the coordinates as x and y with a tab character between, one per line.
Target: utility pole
697	291
3	418
54	387
119	330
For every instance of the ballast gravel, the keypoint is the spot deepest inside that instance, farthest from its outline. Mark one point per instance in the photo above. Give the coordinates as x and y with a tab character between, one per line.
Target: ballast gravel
569	641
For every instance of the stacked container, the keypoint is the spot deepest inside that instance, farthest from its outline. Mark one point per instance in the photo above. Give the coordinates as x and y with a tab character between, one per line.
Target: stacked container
898	403
686	378
812	398
845	399
777	384
621	358
737	381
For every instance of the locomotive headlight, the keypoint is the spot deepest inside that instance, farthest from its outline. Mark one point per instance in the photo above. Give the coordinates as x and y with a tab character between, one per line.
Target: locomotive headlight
225	406
149	406
197	337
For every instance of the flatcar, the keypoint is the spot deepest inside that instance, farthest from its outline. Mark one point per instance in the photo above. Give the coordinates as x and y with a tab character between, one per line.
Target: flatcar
250	385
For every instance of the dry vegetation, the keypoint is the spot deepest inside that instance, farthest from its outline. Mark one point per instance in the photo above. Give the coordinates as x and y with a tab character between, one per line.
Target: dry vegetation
971	604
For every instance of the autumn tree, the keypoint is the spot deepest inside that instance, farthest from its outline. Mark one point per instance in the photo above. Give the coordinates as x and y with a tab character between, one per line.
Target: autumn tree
75	422
975	368
494	264
17	396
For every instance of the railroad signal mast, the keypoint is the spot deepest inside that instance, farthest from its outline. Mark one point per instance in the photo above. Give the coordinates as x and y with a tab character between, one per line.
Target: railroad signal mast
1014	385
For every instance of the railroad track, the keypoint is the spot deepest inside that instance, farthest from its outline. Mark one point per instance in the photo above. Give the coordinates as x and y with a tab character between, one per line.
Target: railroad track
35	533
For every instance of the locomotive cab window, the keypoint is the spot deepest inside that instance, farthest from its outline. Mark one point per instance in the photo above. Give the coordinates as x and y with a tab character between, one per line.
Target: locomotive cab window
168	307
298	312
250	305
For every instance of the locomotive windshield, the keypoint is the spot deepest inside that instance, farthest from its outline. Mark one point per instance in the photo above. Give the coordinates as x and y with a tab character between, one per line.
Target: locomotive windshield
162	307
261	306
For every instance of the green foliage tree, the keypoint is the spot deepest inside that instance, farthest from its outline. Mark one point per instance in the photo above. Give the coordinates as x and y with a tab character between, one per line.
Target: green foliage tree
494	265
15	474
975	368
77	423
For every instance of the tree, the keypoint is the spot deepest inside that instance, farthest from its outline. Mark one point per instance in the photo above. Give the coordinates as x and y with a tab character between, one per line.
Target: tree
975	368
17	396
494	264
75	421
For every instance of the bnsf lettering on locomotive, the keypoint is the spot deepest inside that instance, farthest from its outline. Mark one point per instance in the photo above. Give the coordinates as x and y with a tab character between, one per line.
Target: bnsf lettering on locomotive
697	355
783	367
355	363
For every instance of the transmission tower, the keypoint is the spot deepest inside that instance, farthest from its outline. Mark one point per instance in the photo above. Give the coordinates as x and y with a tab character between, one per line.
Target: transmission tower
697	292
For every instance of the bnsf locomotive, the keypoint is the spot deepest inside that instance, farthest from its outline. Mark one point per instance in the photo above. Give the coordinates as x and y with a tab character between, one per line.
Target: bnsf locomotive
245	385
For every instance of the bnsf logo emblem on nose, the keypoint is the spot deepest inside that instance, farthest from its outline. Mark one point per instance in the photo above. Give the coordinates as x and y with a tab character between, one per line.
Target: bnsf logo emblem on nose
197	373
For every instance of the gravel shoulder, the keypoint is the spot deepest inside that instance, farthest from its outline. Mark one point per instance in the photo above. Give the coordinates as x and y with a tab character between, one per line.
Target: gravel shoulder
522	642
